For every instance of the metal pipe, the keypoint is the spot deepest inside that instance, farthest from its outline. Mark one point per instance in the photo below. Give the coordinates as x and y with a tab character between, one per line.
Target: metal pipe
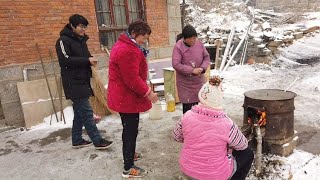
25	72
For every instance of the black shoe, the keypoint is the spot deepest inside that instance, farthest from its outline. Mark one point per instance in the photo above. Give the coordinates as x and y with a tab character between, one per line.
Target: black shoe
104	144
84	143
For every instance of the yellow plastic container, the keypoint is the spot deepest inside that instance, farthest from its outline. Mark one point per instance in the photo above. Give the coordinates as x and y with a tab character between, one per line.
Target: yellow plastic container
171	103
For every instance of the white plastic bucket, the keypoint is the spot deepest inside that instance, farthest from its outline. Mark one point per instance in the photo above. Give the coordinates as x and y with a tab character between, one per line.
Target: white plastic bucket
155	112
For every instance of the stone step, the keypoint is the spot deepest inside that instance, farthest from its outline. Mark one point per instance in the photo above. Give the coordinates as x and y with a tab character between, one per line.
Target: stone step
4	127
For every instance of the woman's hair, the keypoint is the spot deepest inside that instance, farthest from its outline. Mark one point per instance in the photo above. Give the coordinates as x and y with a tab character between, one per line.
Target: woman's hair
139	27
179	36
187	31
77	19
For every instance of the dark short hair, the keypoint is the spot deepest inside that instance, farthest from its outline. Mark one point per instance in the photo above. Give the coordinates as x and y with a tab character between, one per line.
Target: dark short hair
77	19
179	36
139	27
189	31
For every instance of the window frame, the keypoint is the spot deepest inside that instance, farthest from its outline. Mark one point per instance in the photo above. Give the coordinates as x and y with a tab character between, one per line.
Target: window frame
112	26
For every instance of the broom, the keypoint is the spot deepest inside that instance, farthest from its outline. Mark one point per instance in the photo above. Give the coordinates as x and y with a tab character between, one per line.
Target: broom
99	100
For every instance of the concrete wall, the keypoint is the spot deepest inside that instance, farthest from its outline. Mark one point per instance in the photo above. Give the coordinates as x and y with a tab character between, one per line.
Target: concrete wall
9	98
165	20
10	75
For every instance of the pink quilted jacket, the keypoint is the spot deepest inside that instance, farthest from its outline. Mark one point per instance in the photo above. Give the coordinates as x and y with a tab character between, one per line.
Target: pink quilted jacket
206	135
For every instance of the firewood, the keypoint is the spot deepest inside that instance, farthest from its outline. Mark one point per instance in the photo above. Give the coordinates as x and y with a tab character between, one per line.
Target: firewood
259	149
311	29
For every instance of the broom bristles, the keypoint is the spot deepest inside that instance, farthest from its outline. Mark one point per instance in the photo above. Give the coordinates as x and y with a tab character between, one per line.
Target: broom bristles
99	100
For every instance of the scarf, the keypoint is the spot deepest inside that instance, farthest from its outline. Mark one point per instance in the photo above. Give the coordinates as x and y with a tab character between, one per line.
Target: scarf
143	50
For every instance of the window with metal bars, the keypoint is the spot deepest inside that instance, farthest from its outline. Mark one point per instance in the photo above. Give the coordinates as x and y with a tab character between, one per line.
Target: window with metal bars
114	16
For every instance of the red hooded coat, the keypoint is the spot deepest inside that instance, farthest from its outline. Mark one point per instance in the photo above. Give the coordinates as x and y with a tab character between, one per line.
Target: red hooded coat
128	71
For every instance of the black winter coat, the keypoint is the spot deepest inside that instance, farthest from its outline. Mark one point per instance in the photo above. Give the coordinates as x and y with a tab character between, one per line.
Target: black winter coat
73	55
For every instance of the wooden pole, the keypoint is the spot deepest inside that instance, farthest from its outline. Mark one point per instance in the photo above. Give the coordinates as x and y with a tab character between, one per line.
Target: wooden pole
240	43
226	51
291	84
259	149
234	53
58	89
183	13
244	51
107	50
218	43
46	78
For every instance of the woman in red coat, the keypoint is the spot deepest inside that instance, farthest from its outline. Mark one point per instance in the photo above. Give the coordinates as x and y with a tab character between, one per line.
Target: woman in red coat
128	91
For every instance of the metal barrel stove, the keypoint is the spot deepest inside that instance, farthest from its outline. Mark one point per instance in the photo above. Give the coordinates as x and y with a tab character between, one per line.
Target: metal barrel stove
279	108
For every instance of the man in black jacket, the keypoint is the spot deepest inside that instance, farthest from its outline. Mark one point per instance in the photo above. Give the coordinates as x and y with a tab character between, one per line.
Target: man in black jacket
75	61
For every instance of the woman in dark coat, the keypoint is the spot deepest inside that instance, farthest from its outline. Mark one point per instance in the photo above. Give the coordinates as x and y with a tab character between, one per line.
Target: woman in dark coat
190	59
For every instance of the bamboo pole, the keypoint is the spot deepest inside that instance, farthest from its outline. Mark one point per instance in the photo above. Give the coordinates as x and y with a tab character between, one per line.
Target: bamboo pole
46	78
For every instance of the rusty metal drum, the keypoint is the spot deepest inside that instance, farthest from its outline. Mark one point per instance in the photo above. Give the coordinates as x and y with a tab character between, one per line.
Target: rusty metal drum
279	108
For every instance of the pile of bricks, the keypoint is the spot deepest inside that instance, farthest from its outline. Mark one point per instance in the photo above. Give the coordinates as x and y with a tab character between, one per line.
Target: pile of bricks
262	43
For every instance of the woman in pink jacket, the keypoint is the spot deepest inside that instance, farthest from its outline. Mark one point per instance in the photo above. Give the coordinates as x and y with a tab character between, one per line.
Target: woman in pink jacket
128	92
213	146
190	59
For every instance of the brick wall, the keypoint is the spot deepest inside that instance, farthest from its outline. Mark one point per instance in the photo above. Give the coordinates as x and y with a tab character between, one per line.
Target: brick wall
157	18
24	23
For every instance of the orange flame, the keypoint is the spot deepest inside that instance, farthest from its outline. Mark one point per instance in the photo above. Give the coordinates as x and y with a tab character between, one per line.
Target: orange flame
263	118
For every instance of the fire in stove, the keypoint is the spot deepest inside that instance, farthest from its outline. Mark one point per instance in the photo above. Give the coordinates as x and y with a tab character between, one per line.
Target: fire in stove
257	116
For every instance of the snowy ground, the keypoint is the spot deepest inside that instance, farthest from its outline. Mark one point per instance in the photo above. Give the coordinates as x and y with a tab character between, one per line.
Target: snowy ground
44	151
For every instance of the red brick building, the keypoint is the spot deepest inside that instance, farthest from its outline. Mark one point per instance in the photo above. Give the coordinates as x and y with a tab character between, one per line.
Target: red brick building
27	23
